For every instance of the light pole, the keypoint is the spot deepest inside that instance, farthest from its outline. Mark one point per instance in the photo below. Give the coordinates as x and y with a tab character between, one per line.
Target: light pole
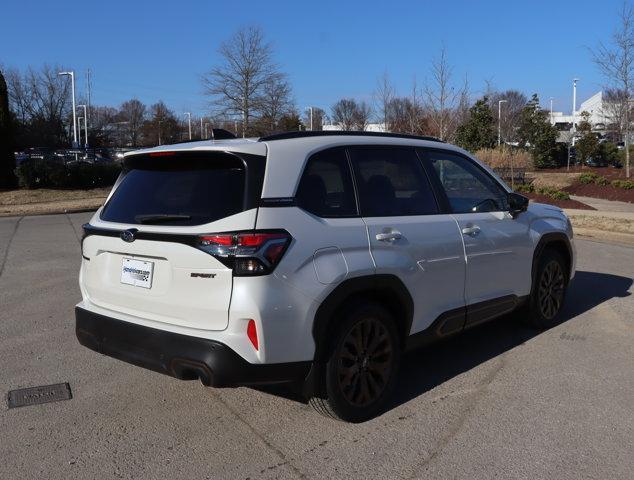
189	117
500	102
85	125
574	109
79	119
71	74
311	117
201	128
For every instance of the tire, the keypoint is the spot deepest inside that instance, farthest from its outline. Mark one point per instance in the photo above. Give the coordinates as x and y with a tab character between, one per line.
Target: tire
548	291
361	371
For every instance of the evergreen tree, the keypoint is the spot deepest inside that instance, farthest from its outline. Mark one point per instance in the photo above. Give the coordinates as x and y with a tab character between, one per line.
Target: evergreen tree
7	159
478	131
588	145
537	135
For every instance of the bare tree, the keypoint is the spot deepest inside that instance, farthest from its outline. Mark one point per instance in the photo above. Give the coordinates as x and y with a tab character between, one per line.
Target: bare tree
616	63
408	116
40	100
344	112
318	118
161	127
19	95
276	100
237	85
414	112
514	102
614	105
463	106
132	113
441	97
362	116
383	95
102	129
400	114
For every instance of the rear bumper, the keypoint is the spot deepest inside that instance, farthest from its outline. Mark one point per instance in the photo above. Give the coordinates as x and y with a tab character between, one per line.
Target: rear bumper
180	356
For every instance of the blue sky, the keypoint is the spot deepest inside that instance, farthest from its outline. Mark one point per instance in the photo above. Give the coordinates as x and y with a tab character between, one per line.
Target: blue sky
158	49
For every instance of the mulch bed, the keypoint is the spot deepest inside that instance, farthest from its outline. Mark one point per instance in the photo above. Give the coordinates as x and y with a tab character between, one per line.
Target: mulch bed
606	192
610	173
536	197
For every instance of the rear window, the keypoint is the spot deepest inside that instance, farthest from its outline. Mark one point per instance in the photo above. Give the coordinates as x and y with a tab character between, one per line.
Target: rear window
179	190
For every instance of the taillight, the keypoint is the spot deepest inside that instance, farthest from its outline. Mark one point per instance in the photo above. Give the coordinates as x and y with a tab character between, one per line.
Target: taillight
256	253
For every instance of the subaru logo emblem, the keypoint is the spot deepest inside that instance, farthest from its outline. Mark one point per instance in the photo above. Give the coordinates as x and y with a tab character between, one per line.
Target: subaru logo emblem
128	235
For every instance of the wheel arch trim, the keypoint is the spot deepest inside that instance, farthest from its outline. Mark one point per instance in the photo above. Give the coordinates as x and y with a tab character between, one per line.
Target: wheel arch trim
386	288
552	239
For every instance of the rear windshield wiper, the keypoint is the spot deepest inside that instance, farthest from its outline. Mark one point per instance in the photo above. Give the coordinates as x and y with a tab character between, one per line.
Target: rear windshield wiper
160	217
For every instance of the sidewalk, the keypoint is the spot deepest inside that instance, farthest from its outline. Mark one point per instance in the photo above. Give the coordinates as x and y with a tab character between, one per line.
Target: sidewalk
605	205
613	221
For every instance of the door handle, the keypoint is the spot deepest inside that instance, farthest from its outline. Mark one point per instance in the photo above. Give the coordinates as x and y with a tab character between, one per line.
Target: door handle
472	230
389	236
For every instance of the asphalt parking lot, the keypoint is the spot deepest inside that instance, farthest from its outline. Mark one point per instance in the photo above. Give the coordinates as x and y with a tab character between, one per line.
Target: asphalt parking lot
501	401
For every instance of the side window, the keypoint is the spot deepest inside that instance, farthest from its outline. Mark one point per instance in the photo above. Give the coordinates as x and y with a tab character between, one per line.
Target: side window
391	182
468	188
326	185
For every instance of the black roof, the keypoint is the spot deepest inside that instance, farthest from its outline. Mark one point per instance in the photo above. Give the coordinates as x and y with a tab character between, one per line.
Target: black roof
336	133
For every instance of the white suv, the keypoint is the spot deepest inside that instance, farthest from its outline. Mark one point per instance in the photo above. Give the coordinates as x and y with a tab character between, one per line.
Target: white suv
311	258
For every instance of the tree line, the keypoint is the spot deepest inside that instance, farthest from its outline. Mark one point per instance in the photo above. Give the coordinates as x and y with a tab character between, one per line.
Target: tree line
250	94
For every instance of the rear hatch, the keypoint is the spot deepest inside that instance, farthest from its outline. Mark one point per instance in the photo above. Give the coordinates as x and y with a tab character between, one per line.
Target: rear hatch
141	254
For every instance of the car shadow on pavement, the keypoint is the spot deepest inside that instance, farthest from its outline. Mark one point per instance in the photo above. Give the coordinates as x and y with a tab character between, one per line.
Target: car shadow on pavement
424	369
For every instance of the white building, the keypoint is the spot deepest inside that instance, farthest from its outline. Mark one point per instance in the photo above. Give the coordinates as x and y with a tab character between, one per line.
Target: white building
372	127
594	105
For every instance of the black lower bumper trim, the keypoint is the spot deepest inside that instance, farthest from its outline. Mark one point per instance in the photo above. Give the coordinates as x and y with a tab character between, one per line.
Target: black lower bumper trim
180	356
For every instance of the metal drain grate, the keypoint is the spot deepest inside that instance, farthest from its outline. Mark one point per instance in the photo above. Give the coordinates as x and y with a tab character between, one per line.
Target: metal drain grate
25	397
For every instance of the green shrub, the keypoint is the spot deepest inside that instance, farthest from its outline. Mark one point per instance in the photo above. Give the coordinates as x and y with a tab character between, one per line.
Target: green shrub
601	180
553	193
559	195
625	184
588	177
32	174
525	188
81	175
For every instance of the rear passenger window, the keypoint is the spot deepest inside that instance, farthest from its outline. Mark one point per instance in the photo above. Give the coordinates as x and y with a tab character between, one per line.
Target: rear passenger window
391	182
326	185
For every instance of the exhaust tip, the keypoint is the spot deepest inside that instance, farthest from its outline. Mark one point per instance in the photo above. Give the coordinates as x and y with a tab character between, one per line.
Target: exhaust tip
191	370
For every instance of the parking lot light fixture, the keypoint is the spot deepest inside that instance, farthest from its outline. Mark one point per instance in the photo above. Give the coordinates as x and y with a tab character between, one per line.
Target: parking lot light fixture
500	102
85	125
71	74
574	109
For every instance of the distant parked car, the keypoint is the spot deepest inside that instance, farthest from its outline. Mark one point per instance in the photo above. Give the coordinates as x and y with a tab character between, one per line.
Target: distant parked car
20	157
595	162
39	153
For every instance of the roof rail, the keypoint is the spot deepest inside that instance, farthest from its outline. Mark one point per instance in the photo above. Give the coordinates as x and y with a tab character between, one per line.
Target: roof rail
334	133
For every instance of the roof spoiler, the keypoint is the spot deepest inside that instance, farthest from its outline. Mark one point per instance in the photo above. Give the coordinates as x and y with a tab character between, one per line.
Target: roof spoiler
221	134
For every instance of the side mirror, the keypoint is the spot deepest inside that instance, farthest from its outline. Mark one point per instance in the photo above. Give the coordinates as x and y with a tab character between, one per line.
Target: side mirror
517	204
